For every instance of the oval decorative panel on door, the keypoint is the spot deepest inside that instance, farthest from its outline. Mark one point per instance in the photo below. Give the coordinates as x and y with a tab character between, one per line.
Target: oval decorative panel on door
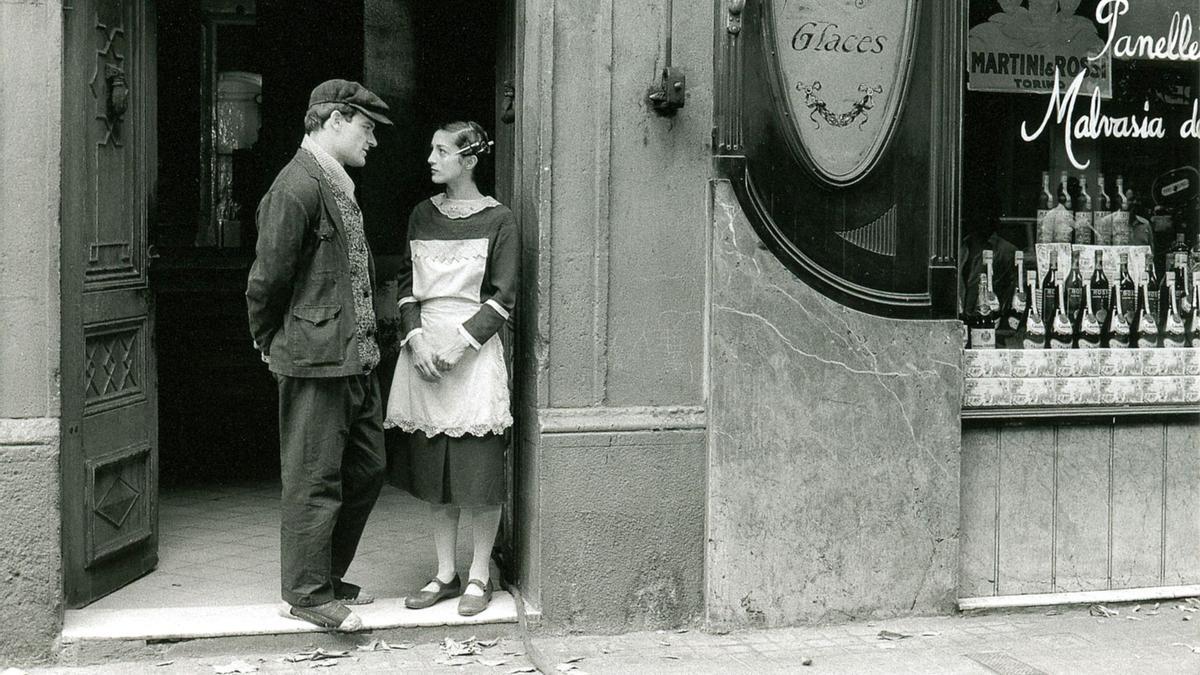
843	67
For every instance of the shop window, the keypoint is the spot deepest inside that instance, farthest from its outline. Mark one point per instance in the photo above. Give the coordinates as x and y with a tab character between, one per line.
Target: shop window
1080	147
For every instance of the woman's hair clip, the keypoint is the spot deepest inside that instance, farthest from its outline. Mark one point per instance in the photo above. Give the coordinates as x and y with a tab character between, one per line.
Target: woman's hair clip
480	147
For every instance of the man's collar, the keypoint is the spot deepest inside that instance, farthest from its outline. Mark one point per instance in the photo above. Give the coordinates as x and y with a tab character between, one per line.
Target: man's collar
333	169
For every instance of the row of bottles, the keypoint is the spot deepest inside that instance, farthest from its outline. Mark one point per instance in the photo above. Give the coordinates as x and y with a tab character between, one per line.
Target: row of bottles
1064	312
1065	218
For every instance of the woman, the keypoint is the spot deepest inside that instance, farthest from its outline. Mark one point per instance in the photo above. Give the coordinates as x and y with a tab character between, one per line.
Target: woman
450	392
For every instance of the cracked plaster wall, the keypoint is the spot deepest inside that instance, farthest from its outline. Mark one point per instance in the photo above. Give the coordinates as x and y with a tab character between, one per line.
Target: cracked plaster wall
30	126
833	448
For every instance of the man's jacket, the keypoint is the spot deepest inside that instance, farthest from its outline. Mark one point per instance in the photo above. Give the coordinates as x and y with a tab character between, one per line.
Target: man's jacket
299	291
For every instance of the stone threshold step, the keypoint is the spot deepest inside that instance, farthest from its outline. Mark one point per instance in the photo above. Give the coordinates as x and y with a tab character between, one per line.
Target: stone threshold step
188	623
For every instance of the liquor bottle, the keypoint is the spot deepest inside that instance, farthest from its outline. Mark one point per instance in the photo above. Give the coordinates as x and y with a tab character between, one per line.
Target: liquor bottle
1033	328
1062	331
1045	229
1074	289
1101	222
1156	307
1194	325
1145	328
1177	261
993	300
981	322
1127	291
1174	330
1084	229
1121	232
1064	223
1120	332
1049	294
1088	331
1019	303
1101	294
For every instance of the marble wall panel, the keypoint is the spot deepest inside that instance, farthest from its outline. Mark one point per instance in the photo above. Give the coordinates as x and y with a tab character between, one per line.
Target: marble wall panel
833	448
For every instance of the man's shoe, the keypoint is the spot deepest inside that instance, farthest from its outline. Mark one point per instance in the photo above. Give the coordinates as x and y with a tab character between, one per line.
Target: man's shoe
422	599
349	594
331	615
470	605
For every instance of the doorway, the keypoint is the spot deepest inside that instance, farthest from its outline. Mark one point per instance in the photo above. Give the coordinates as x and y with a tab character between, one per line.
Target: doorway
233	78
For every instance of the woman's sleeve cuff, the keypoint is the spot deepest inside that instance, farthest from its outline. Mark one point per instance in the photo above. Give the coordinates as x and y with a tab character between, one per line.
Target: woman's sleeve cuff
410	335
470	338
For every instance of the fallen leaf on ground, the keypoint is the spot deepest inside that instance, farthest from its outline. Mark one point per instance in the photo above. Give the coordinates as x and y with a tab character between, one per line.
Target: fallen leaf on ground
806	661
238	666
1102	611
317	654
382	646
456	648
1193	648
891	635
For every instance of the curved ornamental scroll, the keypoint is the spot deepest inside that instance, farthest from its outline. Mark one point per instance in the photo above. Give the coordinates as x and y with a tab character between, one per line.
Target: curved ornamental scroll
837	125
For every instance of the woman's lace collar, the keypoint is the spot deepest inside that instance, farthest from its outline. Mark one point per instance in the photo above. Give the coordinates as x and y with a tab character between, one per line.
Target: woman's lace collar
461	208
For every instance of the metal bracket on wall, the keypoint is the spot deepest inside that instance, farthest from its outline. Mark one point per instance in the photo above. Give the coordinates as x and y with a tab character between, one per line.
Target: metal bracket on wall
668	95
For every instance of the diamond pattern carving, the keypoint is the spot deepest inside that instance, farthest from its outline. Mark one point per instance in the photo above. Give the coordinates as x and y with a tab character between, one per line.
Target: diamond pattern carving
111	364
117	502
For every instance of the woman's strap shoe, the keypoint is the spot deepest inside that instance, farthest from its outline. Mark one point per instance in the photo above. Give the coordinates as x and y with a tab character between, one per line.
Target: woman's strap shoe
422	599
470	605
332	615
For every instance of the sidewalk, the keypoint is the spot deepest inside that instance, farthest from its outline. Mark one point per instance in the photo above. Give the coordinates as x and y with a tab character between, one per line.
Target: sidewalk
1131	639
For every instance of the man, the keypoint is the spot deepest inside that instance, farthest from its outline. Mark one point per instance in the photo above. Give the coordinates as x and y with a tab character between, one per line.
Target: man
312	316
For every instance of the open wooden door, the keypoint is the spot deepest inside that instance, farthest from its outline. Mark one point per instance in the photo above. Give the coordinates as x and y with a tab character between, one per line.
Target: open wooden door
109	408
507	179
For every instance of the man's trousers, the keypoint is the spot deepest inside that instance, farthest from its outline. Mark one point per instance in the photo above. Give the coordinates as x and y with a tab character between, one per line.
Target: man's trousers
332	465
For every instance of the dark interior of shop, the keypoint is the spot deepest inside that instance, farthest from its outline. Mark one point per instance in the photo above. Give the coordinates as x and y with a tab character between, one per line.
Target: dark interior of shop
432	63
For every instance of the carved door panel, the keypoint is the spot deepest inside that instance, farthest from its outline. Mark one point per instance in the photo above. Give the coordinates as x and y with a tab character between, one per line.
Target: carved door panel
110	439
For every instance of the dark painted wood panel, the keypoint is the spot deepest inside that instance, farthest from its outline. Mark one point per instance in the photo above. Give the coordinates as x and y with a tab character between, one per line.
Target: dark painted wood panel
1182	552
1137	505
1026	510
977	542
1081	508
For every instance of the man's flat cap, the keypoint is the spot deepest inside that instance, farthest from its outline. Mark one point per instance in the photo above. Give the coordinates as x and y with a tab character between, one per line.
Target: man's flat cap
352	94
